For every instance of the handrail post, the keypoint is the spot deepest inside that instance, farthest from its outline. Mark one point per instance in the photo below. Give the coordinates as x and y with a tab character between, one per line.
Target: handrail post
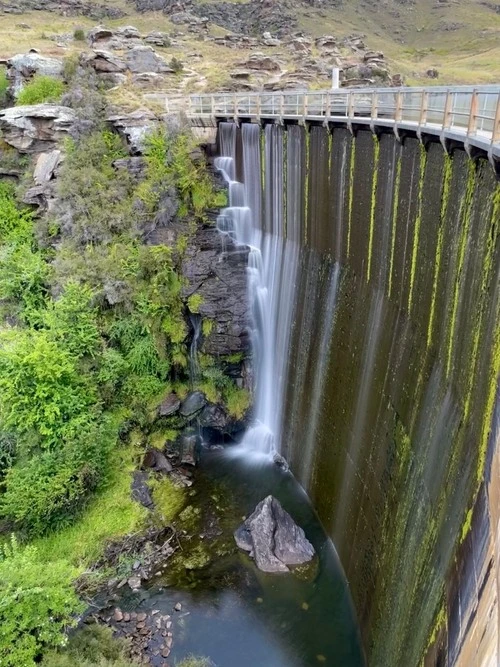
235	108
282	106
398	113
471	127
305	106
259	102
447	113
424	106
328	107
374	110
495	130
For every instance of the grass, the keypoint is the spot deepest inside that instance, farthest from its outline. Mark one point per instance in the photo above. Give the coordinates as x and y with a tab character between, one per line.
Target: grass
110	515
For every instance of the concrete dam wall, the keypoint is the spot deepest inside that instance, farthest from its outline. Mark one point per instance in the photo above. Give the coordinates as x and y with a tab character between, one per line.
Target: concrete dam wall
377	299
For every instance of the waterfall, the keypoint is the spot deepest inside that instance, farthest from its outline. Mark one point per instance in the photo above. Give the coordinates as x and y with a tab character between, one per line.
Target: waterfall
271	273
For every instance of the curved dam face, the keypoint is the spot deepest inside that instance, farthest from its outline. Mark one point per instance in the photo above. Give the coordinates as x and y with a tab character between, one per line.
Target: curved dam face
384	294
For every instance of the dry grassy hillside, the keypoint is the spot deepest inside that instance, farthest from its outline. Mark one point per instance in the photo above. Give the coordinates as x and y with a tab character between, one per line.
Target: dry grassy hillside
460	38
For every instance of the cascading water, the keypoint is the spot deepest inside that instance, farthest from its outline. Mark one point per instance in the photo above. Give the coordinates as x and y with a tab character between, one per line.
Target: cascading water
272	267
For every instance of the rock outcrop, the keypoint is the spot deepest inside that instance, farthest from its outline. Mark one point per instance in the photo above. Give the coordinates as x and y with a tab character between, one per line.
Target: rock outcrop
216	271
37	128
273	539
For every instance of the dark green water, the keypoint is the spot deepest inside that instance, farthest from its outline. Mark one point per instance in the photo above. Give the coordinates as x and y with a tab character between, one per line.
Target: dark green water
240	617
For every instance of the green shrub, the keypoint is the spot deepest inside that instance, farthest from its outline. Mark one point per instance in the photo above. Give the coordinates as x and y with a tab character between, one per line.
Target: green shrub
79	35
41	89
46	490
37	604
72	320
16	224
176	65
92	646
4	86
40	387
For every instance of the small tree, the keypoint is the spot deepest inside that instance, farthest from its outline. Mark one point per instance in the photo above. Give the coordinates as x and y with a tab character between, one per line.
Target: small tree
37	604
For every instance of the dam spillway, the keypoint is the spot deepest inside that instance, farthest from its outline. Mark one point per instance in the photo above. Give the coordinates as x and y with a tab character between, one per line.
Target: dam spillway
374	283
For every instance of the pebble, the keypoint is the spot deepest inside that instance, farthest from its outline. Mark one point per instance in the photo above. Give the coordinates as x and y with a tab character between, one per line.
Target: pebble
154	612
178	607
169	634
133	615
305	606
320	658
126	617
165	652
169	641
140	625
169	625
142	616
144	631
118	615
260	600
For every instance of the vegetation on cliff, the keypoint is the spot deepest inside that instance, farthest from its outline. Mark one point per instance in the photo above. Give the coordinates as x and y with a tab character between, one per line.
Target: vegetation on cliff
93	333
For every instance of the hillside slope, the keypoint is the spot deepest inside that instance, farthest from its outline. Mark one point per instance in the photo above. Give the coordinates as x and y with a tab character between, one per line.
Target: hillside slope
458	38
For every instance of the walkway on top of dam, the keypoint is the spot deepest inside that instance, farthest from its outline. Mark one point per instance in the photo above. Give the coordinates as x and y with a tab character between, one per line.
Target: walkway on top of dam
464	115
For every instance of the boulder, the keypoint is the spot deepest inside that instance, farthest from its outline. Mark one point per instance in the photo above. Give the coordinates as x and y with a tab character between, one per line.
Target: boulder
99	34
193	403
157	38
169	406
46	165
144	58
128	32
22	67
214	416
105	62
273	539
259	61
140	491
36	128
135	127
156	460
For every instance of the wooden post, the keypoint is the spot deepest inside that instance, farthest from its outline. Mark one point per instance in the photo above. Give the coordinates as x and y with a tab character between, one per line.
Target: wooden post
328	106
471	128
496	123
398	113
447	113
374	111
424	106
350	105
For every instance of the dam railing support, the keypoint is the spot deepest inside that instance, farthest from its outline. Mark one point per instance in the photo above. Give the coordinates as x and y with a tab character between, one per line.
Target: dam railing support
469	116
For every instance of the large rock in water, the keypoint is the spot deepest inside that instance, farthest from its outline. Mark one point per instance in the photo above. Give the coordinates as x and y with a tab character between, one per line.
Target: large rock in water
273	538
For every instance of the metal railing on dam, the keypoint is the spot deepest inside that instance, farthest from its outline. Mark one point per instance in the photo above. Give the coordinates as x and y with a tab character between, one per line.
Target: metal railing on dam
466	115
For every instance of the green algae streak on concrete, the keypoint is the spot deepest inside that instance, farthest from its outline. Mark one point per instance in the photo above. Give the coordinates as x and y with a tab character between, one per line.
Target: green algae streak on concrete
373	204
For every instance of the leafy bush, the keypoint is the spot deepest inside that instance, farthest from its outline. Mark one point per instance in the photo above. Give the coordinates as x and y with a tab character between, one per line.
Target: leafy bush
16	225
40	387
176	65
79	35
4	86
52	486
41	89
37	604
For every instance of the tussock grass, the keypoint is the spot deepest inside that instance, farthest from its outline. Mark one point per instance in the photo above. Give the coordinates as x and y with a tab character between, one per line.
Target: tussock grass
109	515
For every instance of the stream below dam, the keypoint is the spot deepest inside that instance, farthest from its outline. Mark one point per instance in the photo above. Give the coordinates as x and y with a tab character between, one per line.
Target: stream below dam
231	612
